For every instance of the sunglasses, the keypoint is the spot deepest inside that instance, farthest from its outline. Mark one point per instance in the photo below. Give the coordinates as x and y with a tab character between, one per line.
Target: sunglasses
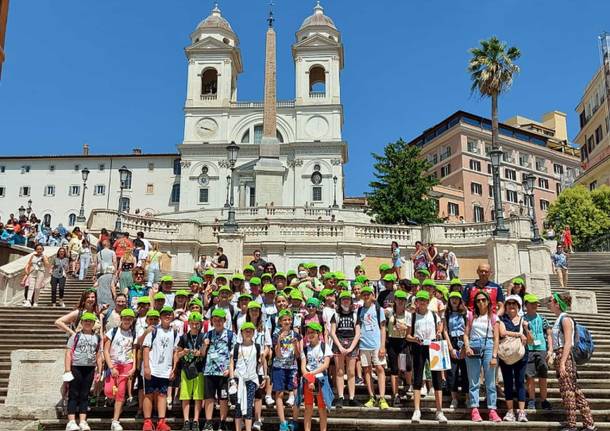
481	300
311	306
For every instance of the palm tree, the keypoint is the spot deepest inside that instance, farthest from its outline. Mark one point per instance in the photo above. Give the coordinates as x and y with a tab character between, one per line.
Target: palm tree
491	69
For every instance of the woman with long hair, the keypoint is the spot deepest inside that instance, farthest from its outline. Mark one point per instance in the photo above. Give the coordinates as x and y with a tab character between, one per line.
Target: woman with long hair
420	256
153	265
396	259
270	269
126	266
453	330
572	396
71	323
59	268
481	340
34	275
84	258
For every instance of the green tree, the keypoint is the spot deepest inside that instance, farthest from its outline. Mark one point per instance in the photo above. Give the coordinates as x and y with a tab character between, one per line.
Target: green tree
491	69
575	208
601	198
400	193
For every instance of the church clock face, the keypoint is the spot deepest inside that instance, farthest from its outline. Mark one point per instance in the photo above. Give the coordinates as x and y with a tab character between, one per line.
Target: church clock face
316	127
203	180
207	127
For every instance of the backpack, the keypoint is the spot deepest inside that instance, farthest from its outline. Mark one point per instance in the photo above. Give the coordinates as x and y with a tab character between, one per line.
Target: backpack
77	338
116	329
583	347
229	338
414	317
236	352
377	310
154	335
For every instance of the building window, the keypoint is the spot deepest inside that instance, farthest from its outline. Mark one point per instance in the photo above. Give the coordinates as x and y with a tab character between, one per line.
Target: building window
445	170
99	189
317	81
558	169
204	196
590	143
25	169
151	166
72	219
558	188
510	174
252	196
453	209
124	204
543	183
511	196
2	169
258	133
127	183
544	205
479	214
209	82
175	198
101	167
491	190
177	167
150	189
476	189
2	191
316	195
445	153
524	160
475	165
76	168
487	150
433	159
51	168
25	191
599	135
489	168
46	220
593	185
540	165
74	191
49	191
473	146
507	157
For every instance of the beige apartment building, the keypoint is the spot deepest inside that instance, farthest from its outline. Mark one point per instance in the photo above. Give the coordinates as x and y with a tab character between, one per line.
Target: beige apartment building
458	149
593	136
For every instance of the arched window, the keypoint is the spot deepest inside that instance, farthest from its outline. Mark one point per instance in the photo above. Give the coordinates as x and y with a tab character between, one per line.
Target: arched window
245	139
209	82
258	135
317	81
46	220
72	219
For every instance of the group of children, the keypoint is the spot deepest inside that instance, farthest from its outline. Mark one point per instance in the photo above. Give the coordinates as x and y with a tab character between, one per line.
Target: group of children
285	340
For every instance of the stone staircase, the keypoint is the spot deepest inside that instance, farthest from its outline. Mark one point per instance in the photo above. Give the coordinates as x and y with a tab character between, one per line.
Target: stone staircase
33	328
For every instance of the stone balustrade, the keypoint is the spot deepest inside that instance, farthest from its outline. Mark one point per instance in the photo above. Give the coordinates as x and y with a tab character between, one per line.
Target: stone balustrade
11	291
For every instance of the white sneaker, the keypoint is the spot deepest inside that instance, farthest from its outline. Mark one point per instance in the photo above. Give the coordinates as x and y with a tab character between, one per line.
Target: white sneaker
440	417
269	400
27	303
453	405
290	401
257	426
424	391
62	304
509	416
35	304
84	426
416	417
116	426
72	426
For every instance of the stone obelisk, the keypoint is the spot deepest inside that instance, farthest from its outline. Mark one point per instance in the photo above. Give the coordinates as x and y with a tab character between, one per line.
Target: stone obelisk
269	169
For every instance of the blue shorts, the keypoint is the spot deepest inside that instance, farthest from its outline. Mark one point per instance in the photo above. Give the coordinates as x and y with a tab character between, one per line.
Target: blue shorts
284	379
156	385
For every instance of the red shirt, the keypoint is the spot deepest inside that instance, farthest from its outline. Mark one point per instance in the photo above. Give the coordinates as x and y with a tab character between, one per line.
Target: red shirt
121	245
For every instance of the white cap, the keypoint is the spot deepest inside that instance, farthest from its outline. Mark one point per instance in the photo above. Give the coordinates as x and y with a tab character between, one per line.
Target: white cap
515	298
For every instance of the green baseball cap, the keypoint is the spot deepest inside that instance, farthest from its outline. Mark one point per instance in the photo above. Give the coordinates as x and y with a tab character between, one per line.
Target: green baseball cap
209	272
284	313
291	272
195	317
344	284
422	294
247	325
384	267
296	295
197	302
400	294
518	280
326	292
287	290
143	300
313	302
310	265
128	312
215	294
238	276
166	309
340	276
428	282
455	295
225	288
88	316
248	268
329	275
279	275
167	278
254	304
221	276
245	296
255	280
266	275
389	277
423	271
269	288
152	313
195	279
456	282
182	292
219	312
415	281
367	289
361	279
531	298
159	296
315	326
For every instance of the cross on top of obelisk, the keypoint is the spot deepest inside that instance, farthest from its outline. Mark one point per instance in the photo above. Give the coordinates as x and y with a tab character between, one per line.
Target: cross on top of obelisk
271	18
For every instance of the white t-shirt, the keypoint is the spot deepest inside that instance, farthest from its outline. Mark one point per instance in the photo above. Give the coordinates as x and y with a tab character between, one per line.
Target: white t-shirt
315	356
481	325
140	326
161	351
425	328
121	349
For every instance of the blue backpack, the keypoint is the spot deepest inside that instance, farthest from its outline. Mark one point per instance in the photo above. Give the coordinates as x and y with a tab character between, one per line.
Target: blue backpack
583	347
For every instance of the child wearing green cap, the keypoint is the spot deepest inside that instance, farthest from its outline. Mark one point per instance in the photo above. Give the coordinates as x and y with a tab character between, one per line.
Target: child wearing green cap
454	327
189	355
315	360
397	317
224	303
538	352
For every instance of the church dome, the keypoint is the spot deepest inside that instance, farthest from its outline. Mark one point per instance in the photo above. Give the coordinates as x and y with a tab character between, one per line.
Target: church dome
215	21
318	19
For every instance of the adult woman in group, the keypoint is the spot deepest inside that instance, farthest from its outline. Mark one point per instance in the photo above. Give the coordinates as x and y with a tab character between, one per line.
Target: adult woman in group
153	265
420	256
85	258
34	275
396	259
104	236
481	340
563	339
512	325
71	323
126	265
59	268
74	248
432	255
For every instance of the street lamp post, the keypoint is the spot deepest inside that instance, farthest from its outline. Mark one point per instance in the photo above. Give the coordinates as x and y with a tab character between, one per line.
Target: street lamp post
81	214
123	174
228	191
335	192
230	225
528	189
496	158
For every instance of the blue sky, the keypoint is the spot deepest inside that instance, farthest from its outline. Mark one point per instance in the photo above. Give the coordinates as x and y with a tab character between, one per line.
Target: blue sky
112	73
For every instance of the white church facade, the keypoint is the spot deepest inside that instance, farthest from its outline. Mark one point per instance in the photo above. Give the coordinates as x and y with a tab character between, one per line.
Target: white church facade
301	165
